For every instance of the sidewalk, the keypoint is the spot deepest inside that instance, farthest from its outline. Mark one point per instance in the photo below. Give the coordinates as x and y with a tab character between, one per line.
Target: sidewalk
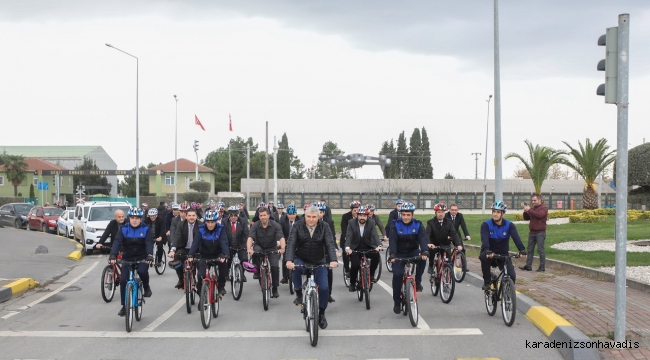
586	303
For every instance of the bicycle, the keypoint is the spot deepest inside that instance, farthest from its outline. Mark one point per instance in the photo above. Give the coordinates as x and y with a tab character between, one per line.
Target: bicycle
161	266
111	277
265	277
310	309
236	274
502	288
389	265
442	279
364	284
134	295
209	300
189	283
459	261
409	291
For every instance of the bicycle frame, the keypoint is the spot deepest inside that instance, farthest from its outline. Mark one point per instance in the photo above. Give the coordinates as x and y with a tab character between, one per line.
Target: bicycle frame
364	266
210	278
497	280
188	266
134	279
439	262
267	267
408	273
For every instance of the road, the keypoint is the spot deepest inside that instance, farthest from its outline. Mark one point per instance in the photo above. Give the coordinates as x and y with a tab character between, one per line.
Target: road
68	319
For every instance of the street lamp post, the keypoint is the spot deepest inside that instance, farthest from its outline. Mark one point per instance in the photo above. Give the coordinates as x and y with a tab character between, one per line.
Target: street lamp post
137	138
487	133
176	154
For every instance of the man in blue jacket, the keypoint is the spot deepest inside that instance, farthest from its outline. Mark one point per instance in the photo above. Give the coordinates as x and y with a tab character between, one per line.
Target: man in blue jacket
212	244
136	240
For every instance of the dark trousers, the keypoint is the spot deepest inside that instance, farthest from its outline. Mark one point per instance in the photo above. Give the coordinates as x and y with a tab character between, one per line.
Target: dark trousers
285	271
398	273
160	251
536	239
320	276
222	268
355	264
441	251
143	272
274	262
487	263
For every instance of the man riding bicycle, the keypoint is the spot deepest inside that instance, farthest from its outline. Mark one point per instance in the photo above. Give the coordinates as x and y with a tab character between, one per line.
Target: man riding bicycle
267	235
393	216
135	239
237	232
186	232
495	236
362	236
407	238
311	241
441	232
345	219
286	222
157	226
322	211
371	216
212	243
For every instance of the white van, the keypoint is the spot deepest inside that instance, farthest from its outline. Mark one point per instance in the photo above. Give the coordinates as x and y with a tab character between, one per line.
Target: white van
92	218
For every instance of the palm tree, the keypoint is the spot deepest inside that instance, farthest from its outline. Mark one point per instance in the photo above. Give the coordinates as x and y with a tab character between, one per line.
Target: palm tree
589	161
541	158
15	167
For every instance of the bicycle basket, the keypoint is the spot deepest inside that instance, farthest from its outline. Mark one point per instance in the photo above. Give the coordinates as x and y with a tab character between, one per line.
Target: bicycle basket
249	267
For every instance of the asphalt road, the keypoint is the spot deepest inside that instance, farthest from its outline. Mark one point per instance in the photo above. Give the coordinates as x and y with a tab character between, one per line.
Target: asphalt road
69	320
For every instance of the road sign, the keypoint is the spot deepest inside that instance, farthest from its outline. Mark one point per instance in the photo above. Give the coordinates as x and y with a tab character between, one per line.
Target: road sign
39	185
46	185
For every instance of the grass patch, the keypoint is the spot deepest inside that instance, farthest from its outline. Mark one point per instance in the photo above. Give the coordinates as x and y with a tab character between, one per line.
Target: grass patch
574	302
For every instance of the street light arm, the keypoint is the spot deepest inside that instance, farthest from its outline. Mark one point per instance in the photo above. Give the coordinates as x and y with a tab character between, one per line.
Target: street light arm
111	46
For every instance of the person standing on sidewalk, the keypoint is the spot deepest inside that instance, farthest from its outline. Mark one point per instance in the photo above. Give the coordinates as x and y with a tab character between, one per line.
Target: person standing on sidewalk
537	214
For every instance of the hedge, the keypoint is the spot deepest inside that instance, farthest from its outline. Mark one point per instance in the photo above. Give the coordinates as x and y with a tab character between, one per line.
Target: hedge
589	215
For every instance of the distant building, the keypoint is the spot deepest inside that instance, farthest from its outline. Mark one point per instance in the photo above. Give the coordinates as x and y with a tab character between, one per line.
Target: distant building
68	157
186	174
35	165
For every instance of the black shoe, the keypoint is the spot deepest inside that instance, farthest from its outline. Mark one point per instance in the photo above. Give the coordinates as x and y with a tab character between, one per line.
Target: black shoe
485	287
353	287
322	322
331	299
284	281
526	268
243	278
430	271
374	280
274	292
179	284
222	291
297	301
147	292
397	308
347	274
122	312
419	288
256	276
540	270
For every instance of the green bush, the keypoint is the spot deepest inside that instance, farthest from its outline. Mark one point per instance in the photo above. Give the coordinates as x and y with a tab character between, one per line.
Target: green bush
7	200
31	191
587	218
200	186
199	197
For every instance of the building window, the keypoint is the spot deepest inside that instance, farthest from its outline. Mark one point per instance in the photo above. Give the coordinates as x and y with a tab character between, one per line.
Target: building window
35	180
2	180
170	181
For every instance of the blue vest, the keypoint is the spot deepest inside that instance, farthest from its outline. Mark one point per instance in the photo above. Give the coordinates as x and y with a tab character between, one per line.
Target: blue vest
407	235
131	233
499	236
210	235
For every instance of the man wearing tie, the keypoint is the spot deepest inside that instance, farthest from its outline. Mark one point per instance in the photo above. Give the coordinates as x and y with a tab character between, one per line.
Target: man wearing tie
184	236
286	222
237	232
458	221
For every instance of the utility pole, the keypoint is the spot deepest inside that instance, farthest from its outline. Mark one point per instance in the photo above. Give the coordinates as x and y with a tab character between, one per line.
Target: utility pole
275	171
229	170
487	131
248	175
176	154
476	170
498	175
266	166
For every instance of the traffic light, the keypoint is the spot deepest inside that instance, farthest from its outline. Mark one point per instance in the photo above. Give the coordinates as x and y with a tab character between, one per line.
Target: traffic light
609	65
196	145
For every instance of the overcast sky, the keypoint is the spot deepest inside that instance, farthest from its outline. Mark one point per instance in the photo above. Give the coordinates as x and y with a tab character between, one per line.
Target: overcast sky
356	73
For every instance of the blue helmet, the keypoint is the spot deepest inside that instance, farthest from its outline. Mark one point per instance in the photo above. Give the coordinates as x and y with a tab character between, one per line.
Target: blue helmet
211	215
135	212
399	201
406	206
499	205
320	205
291	209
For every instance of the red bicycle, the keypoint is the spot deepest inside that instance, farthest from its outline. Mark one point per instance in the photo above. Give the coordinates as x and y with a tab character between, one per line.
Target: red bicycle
111	277
209	301
442	278
364	282
409	291
189	283
265	277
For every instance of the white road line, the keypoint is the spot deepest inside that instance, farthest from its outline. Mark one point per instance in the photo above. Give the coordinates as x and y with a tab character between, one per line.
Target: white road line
11	313
165	316
33	303
239	334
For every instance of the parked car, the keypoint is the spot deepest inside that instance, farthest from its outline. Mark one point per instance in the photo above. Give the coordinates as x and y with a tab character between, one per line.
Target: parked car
44	218
92	218
64	223
15	214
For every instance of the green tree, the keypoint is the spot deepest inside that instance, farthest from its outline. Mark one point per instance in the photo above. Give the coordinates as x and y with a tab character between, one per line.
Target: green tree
389	171
298	170
414	163
449	176
15	169
427	168
401	158
325	170
32	194
539	162
284	158
127	186
589	161
92	180
218	161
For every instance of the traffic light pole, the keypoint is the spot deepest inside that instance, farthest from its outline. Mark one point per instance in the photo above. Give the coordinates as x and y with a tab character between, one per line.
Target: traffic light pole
621	174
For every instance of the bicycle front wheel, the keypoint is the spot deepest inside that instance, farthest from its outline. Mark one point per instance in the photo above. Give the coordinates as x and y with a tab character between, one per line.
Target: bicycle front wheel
435	283
291	289
389	265
490	301
128	306
346	278
215	305
460	267
188	292
366	287
509	301
204	303
264	284
139	302
447	284
236	282
412	302
313	318
108	283
379	268
162	265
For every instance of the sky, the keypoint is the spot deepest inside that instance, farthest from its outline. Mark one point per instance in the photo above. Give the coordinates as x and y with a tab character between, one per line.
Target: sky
355	73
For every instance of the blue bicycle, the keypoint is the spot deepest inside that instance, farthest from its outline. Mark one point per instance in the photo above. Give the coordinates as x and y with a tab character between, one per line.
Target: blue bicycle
134	295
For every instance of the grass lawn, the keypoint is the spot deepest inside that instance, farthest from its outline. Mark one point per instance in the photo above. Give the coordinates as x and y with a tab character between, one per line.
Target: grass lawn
639	229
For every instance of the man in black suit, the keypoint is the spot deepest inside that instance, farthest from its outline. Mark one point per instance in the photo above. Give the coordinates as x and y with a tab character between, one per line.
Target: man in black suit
112	229
287	221
393	216
328	211
186	233
237	232
459	222
441	232
362	236
345	219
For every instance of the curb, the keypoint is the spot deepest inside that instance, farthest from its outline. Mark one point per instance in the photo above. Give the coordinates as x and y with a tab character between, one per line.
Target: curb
16	288
75	255
585	271
554	326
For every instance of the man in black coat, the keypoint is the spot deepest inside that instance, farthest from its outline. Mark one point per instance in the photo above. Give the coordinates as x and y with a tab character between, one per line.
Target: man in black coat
112	228
362	236
328	211
157	225
393	216
352	214
459	222
441	234
237	232
287	221
182	242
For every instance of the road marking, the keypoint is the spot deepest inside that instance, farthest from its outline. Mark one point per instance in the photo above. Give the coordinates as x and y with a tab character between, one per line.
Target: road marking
33	303
166	315
11	313
239	334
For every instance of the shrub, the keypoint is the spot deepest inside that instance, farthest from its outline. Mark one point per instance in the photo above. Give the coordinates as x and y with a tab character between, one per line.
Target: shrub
31	191
586	218
200	186
199	197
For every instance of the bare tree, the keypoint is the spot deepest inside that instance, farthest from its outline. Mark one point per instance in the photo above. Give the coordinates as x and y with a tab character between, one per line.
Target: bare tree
559	172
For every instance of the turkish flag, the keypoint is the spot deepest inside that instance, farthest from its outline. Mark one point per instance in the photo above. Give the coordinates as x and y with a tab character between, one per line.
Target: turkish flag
230	117
198	122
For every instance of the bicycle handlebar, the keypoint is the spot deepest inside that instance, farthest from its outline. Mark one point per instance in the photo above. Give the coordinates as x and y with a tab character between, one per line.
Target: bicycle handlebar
311	267
410	259
265	253
366	251
499	256
133	262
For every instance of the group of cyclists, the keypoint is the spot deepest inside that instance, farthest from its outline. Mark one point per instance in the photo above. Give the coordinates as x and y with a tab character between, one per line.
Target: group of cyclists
290	241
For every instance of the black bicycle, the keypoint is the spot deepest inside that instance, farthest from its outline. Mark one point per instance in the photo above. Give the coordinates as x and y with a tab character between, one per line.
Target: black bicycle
502	288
